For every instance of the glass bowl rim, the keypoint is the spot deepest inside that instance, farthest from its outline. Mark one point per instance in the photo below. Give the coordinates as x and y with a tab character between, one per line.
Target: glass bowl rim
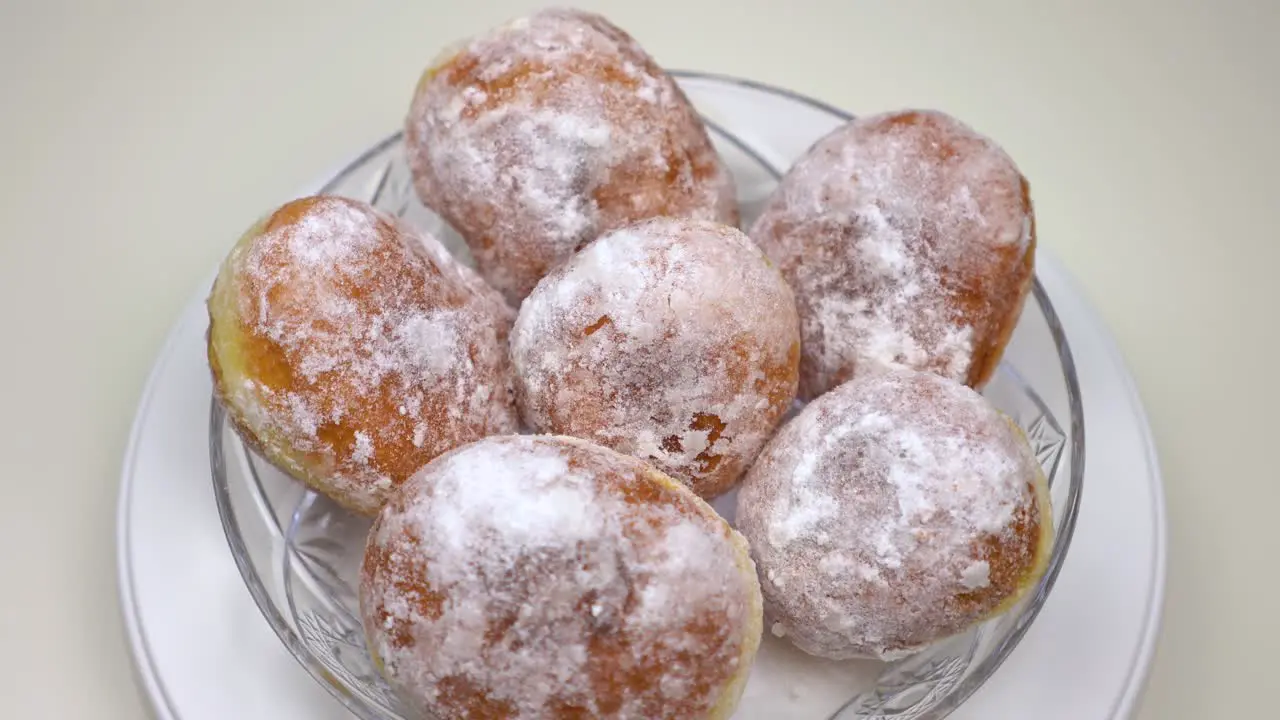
973	678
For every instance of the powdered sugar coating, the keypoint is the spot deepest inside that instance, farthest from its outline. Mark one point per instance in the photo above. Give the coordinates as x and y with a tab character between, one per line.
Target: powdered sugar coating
541	134
909	241
351	350
536	576
896	510
671	340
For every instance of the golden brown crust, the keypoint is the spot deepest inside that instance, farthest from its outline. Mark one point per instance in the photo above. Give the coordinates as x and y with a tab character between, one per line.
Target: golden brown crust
349	351
1006	309
539	135
221	397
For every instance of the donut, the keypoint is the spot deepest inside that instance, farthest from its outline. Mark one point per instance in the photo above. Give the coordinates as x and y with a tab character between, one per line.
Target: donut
541	576
537	136
349	350
896	510
909	240
671	340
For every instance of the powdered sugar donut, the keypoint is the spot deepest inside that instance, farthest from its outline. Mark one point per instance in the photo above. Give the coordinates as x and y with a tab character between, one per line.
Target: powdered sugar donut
894	511
539	577
349	350
909	240
535	137
671	340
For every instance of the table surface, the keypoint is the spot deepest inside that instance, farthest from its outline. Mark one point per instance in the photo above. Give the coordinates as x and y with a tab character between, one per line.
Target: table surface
139	139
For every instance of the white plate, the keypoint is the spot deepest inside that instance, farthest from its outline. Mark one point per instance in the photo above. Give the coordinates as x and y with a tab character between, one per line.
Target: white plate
204	650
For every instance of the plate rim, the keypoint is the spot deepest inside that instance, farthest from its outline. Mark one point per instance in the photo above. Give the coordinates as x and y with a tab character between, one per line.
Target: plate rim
1139	673
144	667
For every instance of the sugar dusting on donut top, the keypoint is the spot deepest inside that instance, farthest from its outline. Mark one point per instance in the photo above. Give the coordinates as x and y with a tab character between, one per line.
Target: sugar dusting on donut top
671	340
539	135
894	510
367	350
535	576
907	237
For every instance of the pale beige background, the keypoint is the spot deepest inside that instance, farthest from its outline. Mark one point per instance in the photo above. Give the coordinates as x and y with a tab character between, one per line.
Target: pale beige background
136	141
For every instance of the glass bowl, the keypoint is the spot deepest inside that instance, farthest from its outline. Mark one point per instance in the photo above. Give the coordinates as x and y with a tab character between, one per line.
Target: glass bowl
299	553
